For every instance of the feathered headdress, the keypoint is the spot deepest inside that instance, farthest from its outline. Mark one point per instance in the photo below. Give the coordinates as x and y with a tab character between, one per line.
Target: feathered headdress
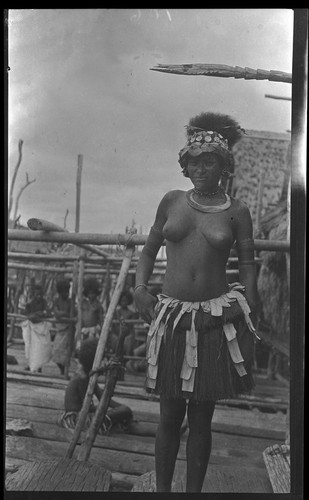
210	133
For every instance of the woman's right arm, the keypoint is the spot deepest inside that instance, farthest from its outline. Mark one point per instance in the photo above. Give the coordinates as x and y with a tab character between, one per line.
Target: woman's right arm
145	302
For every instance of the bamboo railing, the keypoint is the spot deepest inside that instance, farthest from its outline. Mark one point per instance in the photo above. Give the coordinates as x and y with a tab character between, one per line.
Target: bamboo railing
224	71
44	225
120	239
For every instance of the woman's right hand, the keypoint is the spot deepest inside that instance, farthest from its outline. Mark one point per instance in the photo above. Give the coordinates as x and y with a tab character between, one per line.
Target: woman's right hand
145	303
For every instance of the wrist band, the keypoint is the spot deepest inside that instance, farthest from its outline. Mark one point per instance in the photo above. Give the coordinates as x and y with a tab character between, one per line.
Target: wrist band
137	286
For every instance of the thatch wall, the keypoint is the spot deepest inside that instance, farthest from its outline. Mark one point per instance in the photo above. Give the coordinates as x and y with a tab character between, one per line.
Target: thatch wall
272	279
256	154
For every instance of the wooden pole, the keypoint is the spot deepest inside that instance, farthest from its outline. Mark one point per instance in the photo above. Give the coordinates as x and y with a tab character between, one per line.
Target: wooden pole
110	383
70	270
260	201
76	269
44	225
80	284
120	239
18	292
104	299
281	98
20	146
59	257
78	191
100	348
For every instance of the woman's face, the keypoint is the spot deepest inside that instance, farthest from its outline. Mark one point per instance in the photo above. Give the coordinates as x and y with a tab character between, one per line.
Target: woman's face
205	171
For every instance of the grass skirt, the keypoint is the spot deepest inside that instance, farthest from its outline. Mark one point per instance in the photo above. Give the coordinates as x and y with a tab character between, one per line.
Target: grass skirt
215	376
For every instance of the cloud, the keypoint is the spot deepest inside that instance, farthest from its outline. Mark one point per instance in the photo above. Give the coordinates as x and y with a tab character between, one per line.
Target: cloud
80	83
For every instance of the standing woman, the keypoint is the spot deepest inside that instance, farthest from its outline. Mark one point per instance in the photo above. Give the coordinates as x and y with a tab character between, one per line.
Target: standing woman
201	336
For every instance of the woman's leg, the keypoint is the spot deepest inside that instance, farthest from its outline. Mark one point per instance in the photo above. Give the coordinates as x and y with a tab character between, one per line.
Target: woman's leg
199	443
172	412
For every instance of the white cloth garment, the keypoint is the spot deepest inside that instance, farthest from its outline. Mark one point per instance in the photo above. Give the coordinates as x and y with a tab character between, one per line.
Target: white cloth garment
38	345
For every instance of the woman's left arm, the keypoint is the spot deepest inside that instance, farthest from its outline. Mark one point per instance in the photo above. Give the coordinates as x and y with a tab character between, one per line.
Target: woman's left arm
245	251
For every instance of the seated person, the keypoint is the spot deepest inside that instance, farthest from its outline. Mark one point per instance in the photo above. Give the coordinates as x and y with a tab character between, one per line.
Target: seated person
76	390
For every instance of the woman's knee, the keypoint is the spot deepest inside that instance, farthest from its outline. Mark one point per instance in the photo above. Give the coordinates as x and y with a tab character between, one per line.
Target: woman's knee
172	413
200	413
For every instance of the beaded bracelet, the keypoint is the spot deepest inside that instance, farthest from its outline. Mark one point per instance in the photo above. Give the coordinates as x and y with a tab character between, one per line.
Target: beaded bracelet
137	286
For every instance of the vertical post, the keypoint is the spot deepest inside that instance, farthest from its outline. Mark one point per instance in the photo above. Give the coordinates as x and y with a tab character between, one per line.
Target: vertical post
287	257
105	295
259	202
78	191
80	280
298	246
75	266
18	292
100	348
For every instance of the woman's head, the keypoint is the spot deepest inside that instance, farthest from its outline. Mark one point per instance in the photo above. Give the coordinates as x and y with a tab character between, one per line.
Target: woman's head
125	299
210	133
87	353
91	287
38	291
63	287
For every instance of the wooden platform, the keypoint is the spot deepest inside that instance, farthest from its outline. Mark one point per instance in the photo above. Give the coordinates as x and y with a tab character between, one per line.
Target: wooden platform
242	429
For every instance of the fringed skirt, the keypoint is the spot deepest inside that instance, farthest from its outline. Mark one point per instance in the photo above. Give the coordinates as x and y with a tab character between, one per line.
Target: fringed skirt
201	350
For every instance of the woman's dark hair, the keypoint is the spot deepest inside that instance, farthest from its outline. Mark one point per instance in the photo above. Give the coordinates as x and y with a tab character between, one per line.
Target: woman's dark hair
63	285
91	285
223	124
128	295
87	353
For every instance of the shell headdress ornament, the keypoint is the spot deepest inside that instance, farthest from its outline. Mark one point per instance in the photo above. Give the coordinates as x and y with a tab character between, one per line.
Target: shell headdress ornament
211	133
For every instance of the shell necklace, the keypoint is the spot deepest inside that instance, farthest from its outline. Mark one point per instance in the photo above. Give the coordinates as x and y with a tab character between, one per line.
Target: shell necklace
207	208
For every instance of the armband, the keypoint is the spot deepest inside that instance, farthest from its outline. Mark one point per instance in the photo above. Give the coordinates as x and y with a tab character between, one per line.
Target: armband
247	244
245	250
141	285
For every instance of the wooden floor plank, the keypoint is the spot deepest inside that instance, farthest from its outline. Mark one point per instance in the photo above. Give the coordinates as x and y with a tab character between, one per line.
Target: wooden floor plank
219	478
48	417
28	448
59	475
226	419
277	461
54	398
225	448
119	481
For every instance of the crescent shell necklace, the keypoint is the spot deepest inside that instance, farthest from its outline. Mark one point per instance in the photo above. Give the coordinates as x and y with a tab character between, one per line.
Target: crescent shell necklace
207	208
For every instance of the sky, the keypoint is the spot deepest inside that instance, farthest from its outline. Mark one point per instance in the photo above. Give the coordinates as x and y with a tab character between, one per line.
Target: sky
80	83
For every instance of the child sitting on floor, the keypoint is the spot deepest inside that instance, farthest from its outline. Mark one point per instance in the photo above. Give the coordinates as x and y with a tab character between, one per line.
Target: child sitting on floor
117	414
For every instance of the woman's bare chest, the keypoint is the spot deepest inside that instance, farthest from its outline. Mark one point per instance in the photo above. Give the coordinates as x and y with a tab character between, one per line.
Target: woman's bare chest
215	229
